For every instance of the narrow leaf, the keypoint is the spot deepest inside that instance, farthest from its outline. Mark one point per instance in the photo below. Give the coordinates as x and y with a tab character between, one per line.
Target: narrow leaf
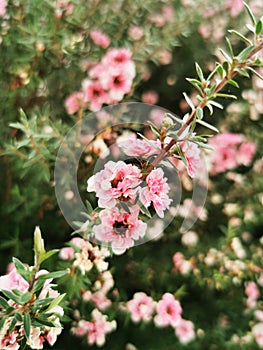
210	107
199	113
233	83
27	325
243	72
3	303
226	95
230	47
55	274
259	27
227	57
47	255
250	13
216	104
12	296
55	302
246	52
209	126
181	154
199	72
220	70
188	100
26	297
240	36
12	325
255	72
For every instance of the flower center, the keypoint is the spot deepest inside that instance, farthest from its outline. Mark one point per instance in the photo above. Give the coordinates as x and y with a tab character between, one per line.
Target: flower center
120	227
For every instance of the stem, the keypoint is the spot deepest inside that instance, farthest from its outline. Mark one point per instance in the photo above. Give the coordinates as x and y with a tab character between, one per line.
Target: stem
220	85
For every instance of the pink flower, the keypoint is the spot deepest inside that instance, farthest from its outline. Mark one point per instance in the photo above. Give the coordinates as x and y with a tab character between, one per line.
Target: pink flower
74	102
181	264
8	341
99	38
96	329
246	153
3	4
168	311
94	95
67	253
120	228
257	331
141	307
135	32
192	155
185	331
139	148
98	298
117	57
117	82
115	182
13	281
235	7
229	152
150	97
156	192
252	291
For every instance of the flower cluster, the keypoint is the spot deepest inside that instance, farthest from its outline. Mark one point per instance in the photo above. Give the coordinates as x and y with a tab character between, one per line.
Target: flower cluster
95	329
166	312
230	151
107	82
21	304
118	186
85	255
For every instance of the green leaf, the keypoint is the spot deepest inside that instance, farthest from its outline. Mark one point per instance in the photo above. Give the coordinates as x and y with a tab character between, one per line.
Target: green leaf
42	321
181	154
12	296
240	36
89	207
188	100
27	325
259	27
3	303
255	72
144	210
250	13
216	104
220	69
56	274
242	72
233	83
21	269
199	113
42	302
209	126
199	72
19	316
246	52
227	95
230	47
2	321
55	302
47	255
227	57
26	297
210	107
12	325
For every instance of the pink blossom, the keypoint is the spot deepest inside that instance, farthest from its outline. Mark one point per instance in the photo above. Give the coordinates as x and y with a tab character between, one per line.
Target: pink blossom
99	38
185	331
13	281
96	329
8	341
135	32
67	253
168	311
230	150
117	82
139	148
3	4
156	192
252	291
165	57
181	264
117	57
98	298
150	97
257	331
115	182
235	7
246	153
74	102
120	228
94	95
141	307
192	154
